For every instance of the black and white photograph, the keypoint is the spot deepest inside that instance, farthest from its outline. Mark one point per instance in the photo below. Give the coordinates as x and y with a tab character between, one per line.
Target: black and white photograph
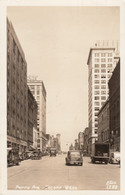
63	98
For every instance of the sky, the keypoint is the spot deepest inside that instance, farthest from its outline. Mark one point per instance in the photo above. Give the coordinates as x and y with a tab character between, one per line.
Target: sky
56	42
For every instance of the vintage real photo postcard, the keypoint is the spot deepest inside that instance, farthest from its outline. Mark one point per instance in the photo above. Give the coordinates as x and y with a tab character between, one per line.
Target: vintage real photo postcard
62	89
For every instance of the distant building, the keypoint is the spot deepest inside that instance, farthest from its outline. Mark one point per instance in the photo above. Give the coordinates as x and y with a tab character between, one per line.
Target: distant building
86	139
71	147
100	67
76	144
103	123
58	136
17	104
81	140
38	90
32	135
114	107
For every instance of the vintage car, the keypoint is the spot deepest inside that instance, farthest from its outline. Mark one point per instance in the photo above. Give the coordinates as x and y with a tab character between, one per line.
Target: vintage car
12	156
74	157
52	151
35	155
114	157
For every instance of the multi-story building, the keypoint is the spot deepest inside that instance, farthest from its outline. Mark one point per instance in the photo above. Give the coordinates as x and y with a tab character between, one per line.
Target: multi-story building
80	140
114	108
100	67
17	115
58	142
103	123
32	135
38	90
76	144
86	139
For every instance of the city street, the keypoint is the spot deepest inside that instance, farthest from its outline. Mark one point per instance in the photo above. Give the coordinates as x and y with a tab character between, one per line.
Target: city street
51	173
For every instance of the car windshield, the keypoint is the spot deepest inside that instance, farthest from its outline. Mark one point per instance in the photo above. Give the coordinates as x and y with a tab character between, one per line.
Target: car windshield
75	154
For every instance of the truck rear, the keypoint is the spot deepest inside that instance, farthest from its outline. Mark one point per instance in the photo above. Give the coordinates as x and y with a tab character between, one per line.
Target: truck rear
100	153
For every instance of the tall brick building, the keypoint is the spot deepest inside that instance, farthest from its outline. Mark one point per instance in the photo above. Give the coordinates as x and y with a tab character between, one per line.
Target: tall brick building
17	107
114	108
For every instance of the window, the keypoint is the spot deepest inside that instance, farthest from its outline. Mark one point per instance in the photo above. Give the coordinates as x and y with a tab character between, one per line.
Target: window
103	76
109	70
103	81
103	54
103	60
96	59
103	92
96	97
96	75
109	76
32	87
96	109
103	65
96	92
96	70
103	86
96	65
96	54
38	88
96	103
109	54
38	93
109	65
102	103
96	86
103	98
96	81
103	70
110	60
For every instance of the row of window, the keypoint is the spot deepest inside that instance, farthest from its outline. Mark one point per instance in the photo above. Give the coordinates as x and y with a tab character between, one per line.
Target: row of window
102	75
103	60
98	103
103	70
98	97
103	54
103	65
100	92
98	86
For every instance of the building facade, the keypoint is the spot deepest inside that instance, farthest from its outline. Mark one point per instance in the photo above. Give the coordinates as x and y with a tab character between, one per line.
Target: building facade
114	107
86	140
17	107
81	140
32	135
38	90
100	67
103	123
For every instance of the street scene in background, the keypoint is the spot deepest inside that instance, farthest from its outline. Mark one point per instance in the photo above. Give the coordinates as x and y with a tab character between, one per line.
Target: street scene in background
63	98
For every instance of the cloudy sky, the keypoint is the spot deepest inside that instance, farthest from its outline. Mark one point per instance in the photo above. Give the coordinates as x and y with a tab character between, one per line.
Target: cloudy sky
56	42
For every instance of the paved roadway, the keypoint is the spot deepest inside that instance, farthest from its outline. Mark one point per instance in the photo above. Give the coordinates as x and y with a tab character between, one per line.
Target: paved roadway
51	173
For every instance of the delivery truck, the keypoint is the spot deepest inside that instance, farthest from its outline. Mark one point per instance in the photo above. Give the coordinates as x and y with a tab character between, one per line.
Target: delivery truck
100	153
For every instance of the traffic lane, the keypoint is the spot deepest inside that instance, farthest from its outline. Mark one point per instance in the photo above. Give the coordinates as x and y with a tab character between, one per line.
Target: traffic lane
95	176
42	172
52	171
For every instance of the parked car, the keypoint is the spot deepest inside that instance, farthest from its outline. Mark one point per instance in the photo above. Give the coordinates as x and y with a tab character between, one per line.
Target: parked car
13	156
114	157
36	155
74	157
53	151
28	154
